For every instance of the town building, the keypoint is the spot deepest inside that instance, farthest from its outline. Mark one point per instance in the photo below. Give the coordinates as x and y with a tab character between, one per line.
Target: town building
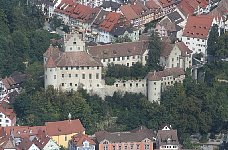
7	116
44	142
127	53
175	55
81	141
157	82
171	26
26	144
12	83
196	33
62	131
72	67
167	139
140	139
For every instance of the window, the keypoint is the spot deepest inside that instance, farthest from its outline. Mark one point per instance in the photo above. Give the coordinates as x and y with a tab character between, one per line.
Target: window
127	57
74	43
132	146
98	85
114	147
113	59
103	60
117	85
70	84
119	147
105	147
76	85
71	48
137	84
172	59
133	57
90	76
72	68
146	146
88	68
130	84
62	75
82	68
62	84
77	68
66	68
61	68
54	76
83	76
125	147
128	64
123	58
76	75
142	85
79	48
124	84
154	83
69	75
98	67
137	146
1	116
97	75
118	59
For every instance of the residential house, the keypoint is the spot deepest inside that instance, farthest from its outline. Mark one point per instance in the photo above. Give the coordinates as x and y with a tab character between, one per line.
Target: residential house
127	53
7	116
44	142
110	6
140	139
52	6
175	55
12	83
170	26
167	5
72	67
167	139
62	131
158	81
26	144
196	33
81	141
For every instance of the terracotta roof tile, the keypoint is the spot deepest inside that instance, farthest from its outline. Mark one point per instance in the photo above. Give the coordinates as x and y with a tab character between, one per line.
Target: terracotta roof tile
78	139
165	137
8	112
118	49
198	26
64	127
110	21
155	76
128	12
50	63
41	139
152	5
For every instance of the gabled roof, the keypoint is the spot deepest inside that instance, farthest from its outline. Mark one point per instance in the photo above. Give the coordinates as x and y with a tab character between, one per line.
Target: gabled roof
152	5
128	12
78	140
128	136
156	76
41	139
166	3
7	112
110	21
198	26
50	63
64	127
25	144
188	7
80	58
167	48
169	137
118	49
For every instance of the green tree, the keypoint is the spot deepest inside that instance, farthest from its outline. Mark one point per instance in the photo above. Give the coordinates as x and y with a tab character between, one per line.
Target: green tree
154	52
212	43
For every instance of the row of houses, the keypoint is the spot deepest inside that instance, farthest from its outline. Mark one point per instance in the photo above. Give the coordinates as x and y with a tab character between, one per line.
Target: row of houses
55	134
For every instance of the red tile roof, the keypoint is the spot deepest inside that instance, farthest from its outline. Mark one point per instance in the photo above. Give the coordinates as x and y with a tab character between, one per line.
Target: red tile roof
50	63
198	26
81	12
110	21
155	76
78	139
128	12
41	139
8	112
189	6
166	3
152	5
64	127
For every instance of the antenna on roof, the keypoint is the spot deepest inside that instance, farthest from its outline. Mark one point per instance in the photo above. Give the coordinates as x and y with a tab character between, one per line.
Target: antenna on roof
69	117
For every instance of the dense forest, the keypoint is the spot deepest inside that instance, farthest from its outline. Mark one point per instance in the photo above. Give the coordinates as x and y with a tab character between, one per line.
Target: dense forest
192	107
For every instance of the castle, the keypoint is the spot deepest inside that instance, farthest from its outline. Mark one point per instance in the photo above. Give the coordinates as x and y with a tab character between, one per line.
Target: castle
77	66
